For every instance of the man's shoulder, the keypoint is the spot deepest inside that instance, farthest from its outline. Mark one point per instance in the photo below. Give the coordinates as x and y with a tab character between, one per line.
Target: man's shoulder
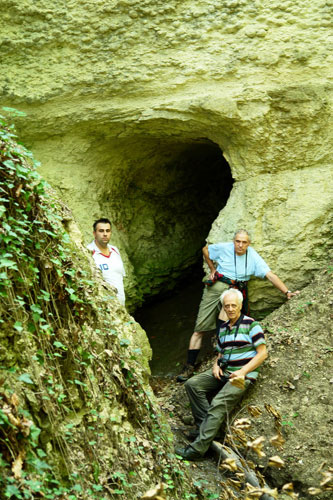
247	319
255	255
91	246
251	323
114	248
222	245
252	251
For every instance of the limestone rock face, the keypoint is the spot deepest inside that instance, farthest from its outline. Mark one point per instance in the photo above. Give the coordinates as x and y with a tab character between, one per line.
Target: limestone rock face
131	104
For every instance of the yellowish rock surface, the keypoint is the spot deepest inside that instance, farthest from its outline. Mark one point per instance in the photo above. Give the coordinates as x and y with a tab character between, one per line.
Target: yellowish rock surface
122	96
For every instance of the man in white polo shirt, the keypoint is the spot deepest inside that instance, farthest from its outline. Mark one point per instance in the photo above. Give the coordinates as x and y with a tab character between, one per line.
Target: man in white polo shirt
107	257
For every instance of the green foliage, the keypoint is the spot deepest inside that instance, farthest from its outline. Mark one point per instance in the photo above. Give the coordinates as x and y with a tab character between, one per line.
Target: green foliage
49	316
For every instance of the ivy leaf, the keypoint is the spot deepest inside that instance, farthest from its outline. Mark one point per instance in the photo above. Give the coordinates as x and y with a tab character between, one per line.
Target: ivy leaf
18	326
13	111
60	345
25	377
12	490
10	164
11	264
34	434
78	382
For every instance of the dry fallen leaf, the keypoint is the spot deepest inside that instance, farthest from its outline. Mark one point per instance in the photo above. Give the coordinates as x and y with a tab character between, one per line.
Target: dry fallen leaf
25	426
314	491
255	411
229	464
14	400
288	487
18	190
13	420
238	382
238	435
275	462
237	485
155	493
289	385
272	493
277	441
273	411
17	465
230	494
256	446
253	492
327	482
321	466
242	423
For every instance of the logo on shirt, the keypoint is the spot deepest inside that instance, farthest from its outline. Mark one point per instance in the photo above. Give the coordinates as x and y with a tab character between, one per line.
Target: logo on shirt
103	267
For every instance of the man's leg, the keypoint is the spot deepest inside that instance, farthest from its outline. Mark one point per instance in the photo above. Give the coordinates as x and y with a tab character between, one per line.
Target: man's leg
197	389
219	409
206	321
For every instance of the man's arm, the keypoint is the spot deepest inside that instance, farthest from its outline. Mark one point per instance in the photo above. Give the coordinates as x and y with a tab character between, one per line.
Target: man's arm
209	262
275	280
258	359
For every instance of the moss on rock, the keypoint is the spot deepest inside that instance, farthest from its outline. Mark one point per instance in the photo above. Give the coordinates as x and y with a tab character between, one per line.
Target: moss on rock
77	415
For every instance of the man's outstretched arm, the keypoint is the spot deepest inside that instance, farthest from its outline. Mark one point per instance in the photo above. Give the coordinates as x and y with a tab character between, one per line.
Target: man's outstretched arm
275	280
209	262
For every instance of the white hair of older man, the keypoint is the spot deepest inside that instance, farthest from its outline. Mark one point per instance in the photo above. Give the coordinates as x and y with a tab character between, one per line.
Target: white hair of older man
235	292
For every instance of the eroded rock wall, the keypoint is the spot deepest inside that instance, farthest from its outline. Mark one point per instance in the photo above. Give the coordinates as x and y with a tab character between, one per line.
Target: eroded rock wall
110	88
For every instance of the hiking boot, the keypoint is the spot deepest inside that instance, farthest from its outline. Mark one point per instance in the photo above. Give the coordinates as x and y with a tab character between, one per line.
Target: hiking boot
189	453
186	373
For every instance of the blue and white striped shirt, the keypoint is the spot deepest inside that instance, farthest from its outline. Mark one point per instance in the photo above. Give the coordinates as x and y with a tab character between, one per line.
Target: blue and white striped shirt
239	350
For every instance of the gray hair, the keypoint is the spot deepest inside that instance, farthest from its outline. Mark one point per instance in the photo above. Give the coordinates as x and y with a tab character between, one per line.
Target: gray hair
234	291
240	231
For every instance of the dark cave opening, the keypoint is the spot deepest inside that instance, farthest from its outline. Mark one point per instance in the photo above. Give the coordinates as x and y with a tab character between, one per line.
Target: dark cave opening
200	188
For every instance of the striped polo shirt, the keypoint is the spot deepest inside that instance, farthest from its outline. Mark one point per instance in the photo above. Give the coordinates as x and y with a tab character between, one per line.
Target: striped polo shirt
239	350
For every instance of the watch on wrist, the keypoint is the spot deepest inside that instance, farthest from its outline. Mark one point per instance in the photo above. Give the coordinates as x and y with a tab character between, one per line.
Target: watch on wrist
288	291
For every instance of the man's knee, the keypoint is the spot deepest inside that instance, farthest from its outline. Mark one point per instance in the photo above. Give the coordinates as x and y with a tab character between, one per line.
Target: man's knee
188	384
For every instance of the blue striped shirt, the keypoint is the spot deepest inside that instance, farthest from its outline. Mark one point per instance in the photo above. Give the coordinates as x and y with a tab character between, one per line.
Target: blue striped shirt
240	350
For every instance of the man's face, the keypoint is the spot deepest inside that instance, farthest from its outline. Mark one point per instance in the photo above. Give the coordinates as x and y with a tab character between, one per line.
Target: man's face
241	242
102	234
232	307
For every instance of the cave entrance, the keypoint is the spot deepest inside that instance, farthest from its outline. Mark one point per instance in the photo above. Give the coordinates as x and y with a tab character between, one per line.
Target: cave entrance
189	189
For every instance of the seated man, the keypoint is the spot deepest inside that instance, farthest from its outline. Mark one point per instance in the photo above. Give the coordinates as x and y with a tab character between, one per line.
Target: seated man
242	349
236	262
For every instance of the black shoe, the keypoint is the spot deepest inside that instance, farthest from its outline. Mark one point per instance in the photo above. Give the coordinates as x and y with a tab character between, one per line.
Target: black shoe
186	373
189	453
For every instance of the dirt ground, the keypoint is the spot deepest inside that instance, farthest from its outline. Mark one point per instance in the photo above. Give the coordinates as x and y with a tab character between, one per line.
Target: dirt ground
290	406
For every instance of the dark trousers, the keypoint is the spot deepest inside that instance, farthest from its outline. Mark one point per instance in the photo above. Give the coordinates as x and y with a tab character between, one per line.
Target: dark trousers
209	416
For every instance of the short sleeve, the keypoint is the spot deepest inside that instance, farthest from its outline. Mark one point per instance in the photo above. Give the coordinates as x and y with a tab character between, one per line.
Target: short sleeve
214	250
261	268
257	334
